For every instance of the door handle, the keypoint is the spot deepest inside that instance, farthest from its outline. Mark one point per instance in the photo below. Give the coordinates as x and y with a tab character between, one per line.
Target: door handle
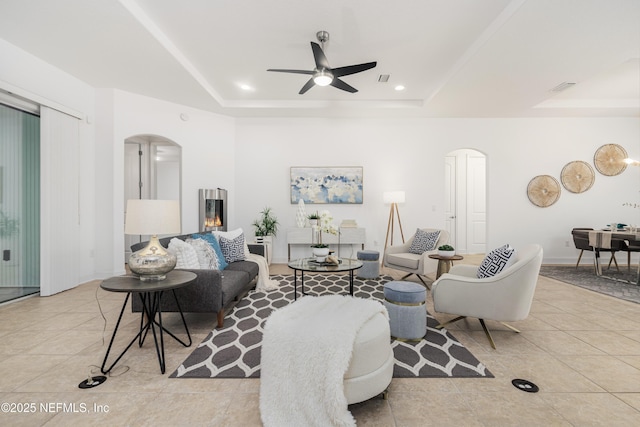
452	217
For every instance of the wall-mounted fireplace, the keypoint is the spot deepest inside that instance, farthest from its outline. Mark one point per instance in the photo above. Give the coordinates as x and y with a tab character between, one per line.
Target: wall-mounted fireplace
213	210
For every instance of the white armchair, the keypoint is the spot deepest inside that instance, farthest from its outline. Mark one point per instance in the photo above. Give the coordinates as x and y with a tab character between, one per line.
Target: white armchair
399	258
505	297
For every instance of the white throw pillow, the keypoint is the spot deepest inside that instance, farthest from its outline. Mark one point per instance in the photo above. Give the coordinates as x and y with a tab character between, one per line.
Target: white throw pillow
232	234
206	255
185	253
496	261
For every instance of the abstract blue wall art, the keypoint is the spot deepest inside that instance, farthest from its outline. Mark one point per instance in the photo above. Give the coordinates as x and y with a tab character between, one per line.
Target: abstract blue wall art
326	184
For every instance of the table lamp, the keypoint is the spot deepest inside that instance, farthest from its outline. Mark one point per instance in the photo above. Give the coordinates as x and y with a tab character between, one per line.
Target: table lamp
152	217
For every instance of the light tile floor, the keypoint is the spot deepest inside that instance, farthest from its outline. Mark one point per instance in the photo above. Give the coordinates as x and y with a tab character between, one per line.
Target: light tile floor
581	348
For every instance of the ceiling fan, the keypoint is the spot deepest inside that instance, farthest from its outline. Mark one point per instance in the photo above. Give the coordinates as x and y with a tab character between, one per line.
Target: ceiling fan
323	74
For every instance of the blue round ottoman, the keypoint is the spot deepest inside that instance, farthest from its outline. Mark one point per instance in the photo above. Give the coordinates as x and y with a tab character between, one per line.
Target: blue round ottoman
370	265
405	302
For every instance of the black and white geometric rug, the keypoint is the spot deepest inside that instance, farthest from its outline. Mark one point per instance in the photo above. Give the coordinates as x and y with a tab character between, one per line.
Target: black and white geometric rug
234	350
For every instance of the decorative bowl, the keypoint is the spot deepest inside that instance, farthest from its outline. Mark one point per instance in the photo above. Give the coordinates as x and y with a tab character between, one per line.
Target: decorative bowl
446	253
320	254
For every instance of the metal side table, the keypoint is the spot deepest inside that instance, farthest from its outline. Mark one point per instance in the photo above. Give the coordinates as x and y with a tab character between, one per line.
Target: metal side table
150	294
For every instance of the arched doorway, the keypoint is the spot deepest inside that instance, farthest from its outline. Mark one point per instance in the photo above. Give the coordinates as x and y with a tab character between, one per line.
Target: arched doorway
466	200
152	170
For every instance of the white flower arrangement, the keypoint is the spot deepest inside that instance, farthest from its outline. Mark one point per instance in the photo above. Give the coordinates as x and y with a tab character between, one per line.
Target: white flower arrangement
325	225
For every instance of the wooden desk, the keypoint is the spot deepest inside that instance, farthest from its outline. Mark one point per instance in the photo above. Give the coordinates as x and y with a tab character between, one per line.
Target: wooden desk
304	236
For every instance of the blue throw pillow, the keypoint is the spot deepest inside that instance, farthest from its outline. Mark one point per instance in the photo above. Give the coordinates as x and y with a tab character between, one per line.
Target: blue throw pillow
211	239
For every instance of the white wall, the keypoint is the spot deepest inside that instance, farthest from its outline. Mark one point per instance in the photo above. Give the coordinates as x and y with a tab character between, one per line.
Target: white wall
409	154
24	71
208	158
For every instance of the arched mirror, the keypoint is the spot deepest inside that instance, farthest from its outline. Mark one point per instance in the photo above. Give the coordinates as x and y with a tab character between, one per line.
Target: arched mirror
152	170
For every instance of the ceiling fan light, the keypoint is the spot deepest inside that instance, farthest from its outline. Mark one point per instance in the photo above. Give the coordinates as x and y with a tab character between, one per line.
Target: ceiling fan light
323	78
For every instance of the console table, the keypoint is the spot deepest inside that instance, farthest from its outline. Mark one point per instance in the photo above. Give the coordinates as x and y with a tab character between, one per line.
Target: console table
304	236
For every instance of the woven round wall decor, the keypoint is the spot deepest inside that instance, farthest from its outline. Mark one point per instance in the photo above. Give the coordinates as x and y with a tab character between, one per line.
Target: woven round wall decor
577	176
543	190
609	159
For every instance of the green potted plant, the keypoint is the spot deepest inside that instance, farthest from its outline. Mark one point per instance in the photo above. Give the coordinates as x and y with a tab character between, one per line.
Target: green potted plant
313	218
446	250
267	224
266	227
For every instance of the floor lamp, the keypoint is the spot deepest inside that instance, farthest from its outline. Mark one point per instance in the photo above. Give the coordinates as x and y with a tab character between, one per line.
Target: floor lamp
393	197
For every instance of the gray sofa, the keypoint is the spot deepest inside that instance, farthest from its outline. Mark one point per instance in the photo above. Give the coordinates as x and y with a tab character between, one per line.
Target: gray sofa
214	291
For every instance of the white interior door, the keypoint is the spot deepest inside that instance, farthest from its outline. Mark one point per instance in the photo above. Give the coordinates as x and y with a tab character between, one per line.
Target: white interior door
450	199
476	203
465	200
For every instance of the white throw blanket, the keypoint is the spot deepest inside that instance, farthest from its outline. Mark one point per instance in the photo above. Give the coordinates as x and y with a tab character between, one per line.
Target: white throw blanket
264	283
306	350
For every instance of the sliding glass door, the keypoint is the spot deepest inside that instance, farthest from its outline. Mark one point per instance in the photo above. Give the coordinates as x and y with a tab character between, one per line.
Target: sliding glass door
19	203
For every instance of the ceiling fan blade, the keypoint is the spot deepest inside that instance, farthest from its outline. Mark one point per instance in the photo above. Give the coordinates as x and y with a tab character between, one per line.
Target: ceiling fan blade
342	85
318	55
308	85
291	71
352	69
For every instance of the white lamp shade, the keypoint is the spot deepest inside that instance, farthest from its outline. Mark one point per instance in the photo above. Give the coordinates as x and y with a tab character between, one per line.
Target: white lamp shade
393	197
152	217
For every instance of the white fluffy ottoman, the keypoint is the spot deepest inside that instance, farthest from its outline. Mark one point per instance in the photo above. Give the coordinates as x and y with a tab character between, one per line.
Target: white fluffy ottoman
371	367
320	354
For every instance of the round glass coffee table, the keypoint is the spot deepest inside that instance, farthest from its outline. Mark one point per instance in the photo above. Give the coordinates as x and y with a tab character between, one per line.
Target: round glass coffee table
310	265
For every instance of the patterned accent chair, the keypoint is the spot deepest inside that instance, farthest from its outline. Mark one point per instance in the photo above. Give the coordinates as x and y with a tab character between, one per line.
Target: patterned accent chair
505	297
400	257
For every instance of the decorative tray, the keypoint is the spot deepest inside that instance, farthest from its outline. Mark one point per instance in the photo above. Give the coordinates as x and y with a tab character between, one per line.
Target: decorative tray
324	263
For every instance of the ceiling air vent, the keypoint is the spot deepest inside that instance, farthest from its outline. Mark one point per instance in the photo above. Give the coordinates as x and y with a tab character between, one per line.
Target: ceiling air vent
562	86
383	78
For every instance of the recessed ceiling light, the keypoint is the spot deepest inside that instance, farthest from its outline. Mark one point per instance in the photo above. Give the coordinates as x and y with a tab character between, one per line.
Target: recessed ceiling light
245	87
399	87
